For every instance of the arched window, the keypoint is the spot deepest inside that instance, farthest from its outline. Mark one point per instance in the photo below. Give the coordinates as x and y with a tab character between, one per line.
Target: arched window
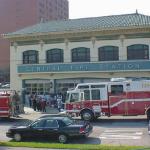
108	53
54	56
30	57
137	51
81	54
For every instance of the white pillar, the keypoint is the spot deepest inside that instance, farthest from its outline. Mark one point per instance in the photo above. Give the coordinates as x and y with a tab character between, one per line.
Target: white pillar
67	52
122	49
42	55
94	50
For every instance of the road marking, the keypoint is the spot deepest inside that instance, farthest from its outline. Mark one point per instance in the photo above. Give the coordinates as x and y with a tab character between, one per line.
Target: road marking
116	134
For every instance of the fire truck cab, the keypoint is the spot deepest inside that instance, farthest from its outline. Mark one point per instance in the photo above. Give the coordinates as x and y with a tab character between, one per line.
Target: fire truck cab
126	98
6	107
5	103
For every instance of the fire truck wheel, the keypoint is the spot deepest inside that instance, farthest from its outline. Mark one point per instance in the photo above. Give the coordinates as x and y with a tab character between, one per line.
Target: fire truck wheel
87	115
17	137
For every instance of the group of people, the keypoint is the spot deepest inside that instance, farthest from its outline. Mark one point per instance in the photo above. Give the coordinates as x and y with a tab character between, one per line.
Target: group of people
39	102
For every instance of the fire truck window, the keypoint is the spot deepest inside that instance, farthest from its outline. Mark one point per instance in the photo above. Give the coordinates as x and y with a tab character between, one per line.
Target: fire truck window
98	86
83	87
95	94
74	97
86	95
67	97
116	89
82	96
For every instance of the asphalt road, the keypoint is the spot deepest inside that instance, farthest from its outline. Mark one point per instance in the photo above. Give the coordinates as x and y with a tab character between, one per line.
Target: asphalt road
114	131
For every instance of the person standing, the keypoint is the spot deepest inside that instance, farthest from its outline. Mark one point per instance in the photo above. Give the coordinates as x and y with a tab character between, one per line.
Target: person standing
59	102
43	104
30	98
15	104
34	102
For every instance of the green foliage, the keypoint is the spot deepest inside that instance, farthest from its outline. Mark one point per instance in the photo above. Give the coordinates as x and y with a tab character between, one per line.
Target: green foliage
70	146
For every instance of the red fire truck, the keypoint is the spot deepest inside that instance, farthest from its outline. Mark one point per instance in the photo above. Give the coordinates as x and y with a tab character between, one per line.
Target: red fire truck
126	98
5	106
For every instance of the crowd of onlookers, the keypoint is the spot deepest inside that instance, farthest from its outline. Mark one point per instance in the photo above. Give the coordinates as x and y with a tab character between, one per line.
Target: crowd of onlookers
39	101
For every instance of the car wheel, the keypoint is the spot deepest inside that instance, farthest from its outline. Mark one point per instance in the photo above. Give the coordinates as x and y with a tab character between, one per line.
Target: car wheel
62	138
87	115
17	137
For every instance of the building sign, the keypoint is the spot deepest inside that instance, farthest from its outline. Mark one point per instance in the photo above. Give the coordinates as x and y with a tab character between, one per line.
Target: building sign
86	67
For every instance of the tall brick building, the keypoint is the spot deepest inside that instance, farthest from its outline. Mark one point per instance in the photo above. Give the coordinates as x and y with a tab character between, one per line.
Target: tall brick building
17	14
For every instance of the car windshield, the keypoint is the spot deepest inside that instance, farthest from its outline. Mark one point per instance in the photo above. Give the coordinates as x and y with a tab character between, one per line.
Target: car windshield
68	120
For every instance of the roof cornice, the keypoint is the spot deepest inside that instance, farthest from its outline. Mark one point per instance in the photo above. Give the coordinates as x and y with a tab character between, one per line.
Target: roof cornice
79	33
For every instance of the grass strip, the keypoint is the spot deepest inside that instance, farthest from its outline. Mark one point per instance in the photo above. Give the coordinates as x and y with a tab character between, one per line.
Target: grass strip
71	146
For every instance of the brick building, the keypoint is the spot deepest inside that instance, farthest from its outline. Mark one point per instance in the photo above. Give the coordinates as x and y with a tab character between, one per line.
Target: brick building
17	14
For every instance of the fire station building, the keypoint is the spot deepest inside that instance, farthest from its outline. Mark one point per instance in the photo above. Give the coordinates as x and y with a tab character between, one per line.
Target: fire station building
54	56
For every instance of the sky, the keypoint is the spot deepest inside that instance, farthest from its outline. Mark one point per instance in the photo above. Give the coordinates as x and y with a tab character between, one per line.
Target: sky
95	8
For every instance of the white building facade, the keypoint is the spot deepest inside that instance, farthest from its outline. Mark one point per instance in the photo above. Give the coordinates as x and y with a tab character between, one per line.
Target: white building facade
53	57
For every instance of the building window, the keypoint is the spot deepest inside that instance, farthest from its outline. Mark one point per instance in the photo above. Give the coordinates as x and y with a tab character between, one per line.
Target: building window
30	57
81	54
54	56
40	87
108	53
137	51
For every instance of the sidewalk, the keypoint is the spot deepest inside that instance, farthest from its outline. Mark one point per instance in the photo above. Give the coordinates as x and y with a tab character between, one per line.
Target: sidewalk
32	115
49	110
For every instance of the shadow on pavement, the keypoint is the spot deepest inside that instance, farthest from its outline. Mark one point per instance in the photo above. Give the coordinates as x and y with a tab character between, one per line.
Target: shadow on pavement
88	140
78	140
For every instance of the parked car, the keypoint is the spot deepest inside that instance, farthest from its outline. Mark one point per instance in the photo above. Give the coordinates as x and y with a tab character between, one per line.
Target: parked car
58	127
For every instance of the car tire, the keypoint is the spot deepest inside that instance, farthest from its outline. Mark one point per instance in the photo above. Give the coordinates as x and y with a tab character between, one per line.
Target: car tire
17	137
87	115
62	138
